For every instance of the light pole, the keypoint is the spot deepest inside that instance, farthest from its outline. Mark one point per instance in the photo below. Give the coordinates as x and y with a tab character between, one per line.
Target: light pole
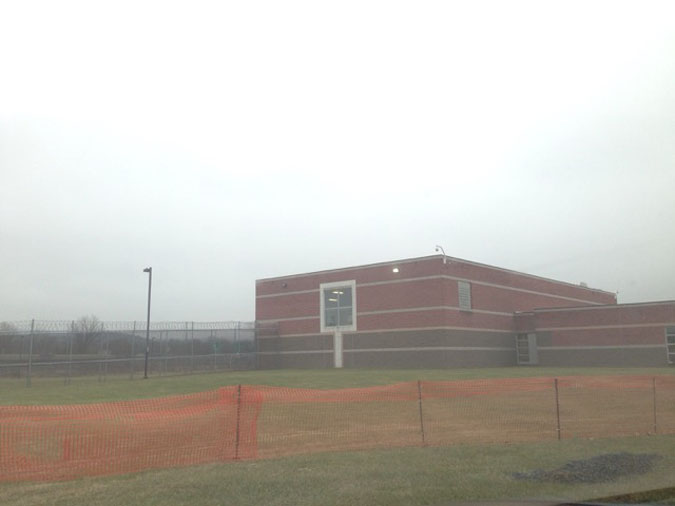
147	326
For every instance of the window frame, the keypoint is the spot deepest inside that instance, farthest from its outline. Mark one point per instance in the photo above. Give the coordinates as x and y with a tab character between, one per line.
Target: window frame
351	284
669	332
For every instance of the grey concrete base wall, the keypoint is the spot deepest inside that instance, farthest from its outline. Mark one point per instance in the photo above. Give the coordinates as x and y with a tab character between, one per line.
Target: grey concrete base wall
418	349
610	357
310	352
319	360
429	359
425	349
435	338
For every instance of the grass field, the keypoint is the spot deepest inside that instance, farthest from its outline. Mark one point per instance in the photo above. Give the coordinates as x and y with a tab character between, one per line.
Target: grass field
406	476
430	475
88	389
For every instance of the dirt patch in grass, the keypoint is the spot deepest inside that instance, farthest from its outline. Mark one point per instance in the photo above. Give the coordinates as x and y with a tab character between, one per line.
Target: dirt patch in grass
602	468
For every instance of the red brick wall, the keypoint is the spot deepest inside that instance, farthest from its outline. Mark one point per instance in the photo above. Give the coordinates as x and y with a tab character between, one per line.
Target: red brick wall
309	326
434	318
623	314
422	293
504	300
408	319
429	266
609	337
622	325
526	282
380	289
293	305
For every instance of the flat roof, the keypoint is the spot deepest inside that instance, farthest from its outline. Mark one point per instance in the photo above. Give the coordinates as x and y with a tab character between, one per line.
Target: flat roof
429	257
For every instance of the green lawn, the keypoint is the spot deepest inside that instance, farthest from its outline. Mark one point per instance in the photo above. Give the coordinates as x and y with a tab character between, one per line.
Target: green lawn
408	476
397	476
89	389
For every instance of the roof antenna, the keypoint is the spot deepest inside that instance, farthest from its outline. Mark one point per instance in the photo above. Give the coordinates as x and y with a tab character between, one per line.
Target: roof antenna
440	248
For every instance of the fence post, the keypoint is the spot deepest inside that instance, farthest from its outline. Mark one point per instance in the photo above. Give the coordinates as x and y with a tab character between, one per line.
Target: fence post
192	350
98	358
70	352
160	352
237	337
236	442
166	352
106	353
654	401
133	351
187	328
419	402
30	353
213	342
557	407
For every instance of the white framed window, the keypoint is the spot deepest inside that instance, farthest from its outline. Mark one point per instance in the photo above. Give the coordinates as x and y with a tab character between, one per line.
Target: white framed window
464	290
670	344
338	305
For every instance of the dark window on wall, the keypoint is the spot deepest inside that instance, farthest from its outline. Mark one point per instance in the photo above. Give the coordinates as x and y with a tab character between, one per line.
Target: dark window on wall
464	289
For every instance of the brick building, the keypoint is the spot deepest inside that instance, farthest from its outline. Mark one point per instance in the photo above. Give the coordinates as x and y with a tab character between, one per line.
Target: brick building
439	311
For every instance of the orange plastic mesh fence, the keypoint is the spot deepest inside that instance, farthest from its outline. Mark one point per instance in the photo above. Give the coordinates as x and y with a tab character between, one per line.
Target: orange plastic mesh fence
248	422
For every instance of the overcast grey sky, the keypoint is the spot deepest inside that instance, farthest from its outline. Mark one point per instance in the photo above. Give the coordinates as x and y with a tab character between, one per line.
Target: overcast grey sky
221	142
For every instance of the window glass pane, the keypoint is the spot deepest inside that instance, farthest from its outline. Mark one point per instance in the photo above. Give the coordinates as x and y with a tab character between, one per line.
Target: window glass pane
346	316
342	294
329	298
670	330
331	317
345	297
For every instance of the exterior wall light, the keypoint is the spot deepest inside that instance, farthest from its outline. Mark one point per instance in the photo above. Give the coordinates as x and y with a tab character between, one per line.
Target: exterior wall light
440	248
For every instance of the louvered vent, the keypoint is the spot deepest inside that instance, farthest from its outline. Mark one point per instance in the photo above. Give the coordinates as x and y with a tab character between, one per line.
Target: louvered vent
464	295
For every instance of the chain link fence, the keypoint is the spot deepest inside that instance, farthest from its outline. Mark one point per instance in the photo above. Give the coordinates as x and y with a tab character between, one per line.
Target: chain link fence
89	347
